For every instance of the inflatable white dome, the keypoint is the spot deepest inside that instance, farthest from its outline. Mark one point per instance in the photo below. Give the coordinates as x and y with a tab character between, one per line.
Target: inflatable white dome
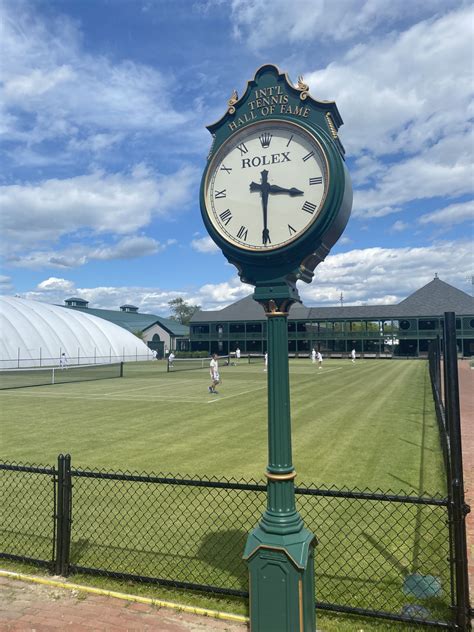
37	334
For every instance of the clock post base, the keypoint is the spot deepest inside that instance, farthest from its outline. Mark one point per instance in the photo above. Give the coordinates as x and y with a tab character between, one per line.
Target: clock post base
281	577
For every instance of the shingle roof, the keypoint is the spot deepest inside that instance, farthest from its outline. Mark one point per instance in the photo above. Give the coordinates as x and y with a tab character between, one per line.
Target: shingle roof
136	322
437	297
433	299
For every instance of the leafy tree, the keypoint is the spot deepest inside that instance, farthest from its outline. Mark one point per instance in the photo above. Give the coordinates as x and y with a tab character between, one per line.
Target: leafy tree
182	311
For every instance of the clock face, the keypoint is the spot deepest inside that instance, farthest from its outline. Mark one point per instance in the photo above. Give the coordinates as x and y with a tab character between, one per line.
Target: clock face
266	185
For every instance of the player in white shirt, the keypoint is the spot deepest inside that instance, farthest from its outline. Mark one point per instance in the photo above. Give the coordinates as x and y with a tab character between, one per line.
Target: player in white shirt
171	360
319	358
266	361
313	356
353	355
63	361
214	372
237	355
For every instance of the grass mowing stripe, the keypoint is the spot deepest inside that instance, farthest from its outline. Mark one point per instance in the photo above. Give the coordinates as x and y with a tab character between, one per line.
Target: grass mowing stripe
350	428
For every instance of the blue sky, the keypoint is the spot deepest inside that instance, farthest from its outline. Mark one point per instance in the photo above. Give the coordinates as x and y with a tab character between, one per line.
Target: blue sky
104	109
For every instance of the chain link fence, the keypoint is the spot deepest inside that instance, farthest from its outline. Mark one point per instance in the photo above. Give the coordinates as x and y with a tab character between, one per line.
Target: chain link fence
378	554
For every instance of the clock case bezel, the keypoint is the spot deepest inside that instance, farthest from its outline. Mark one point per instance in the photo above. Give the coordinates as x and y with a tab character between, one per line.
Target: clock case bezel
295	260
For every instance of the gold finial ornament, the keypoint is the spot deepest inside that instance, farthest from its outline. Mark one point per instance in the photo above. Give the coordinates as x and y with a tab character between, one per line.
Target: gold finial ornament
232	101
303	87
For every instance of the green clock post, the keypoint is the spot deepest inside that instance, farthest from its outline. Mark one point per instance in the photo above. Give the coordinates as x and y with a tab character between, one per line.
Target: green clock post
275	197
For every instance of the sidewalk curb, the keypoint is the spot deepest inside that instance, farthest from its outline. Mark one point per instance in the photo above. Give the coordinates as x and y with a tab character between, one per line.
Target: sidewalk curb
213	614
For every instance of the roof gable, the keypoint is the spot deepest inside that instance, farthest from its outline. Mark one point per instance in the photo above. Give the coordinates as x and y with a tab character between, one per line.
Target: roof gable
435	298
134	321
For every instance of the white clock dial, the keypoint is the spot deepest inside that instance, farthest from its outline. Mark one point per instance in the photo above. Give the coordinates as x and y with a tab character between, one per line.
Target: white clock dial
266	185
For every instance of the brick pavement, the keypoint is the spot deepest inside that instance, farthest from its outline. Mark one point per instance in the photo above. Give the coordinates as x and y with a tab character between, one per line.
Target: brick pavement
466	402
28	607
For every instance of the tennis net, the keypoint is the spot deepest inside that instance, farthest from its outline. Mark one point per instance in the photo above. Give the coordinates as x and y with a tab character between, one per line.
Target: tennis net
256	358
189	364
21	378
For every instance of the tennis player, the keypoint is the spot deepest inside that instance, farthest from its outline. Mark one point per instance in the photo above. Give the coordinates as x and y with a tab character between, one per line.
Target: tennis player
214	372
319	357
63	361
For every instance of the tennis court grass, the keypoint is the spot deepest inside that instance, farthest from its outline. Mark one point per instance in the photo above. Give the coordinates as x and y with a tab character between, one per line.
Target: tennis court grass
368	425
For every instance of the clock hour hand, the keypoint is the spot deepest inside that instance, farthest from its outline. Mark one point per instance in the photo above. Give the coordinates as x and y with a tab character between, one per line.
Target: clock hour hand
274	188
263	188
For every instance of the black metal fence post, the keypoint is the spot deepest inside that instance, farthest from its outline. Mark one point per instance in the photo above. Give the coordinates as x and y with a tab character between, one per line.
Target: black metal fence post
459	507
63	515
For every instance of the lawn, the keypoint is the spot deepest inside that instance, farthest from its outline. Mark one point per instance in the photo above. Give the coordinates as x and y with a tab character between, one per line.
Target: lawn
366	425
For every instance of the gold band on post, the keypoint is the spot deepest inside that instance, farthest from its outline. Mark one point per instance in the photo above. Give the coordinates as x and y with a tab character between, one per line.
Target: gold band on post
281	477
271	314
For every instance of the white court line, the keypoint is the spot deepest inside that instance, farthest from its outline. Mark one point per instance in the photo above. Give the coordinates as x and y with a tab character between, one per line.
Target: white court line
104	398
254	390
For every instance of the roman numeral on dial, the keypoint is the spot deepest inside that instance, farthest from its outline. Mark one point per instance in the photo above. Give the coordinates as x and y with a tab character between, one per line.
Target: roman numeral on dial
316	180
227	169
242	148
291	230
309	207
220	194
226	216
242	234
308	156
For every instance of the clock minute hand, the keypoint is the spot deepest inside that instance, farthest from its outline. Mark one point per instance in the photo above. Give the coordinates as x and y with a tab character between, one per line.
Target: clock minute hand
274	188
263	188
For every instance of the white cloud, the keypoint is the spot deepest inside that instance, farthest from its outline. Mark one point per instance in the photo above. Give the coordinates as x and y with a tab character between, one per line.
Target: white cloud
404	91
453	214
261	24
80	254
102	203
53	284
204	245
5	283
371	275
47	73
435	172
398	226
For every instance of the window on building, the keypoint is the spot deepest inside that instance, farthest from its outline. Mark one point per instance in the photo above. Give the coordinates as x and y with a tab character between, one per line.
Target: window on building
200	329
428	325
254	328
237	328
373	326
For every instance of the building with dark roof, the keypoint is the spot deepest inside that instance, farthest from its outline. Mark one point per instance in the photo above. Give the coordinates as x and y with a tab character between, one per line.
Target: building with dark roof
160	334
404	329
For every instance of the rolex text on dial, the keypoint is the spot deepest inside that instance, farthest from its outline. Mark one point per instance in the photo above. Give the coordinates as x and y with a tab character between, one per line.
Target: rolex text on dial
266	185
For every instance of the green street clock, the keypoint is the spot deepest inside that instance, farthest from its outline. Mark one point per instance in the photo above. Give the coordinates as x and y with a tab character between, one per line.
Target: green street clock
276	192
275	196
